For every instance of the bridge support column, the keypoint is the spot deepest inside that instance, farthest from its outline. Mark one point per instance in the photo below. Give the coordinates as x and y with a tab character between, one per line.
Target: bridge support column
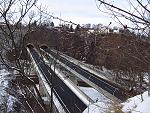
41	88
73	79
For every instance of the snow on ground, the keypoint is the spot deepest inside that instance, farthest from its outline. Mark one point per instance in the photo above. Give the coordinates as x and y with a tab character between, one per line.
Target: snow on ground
7	101
101	104
3	94
146	78
136	105
3	74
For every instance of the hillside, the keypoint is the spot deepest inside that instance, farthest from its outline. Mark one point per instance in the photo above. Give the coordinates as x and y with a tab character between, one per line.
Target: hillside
126	55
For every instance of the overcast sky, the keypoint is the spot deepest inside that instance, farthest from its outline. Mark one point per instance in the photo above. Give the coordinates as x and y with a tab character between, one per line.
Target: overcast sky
78	11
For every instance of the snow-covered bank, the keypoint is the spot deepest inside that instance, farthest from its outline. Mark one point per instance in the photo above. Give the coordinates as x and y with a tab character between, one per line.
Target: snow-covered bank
136	105
104	105
8	103
3	94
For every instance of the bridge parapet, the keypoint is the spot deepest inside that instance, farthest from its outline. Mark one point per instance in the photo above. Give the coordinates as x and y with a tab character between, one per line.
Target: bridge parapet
66	93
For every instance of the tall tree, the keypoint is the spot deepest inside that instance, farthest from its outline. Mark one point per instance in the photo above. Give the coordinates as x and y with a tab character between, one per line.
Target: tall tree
12	35
134	12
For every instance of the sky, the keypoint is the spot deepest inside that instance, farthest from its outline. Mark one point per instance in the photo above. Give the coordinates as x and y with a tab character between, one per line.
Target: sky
77	11
80	11
86	11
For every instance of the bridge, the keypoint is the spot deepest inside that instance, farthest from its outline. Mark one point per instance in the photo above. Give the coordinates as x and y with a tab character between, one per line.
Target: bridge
59	87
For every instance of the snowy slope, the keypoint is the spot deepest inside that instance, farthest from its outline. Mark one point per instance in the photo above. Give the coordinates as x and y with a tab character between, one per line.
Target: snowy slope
103	105
136	105
8	103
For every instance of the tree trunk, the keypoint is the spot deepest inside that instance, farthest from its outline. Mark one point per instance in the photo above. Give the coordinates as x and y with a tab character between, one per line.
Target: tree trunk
149	83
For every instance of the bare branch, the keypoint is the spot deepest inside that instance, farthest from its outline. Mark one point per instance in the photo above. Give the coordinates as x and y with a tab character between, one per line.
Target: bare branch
119	9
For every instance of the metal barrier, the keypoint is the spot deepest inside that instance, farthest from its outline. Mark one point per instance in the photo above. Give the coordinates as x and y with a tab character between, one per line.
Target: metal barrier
70	101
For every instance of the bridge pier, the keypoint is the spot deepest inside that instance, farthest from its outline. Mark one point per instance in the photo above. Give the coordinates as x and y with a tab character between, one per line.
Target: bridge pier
73	79
41	89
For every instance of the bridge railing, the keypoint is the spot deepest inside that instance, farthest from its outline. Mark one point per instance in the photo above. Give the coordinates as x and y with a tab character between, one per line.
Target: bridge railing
71	102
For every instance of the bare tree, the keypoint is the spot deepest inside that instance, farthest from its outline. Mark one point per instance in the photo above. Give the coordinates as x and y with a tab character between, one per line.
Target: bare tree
12	14
13	17
134	12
